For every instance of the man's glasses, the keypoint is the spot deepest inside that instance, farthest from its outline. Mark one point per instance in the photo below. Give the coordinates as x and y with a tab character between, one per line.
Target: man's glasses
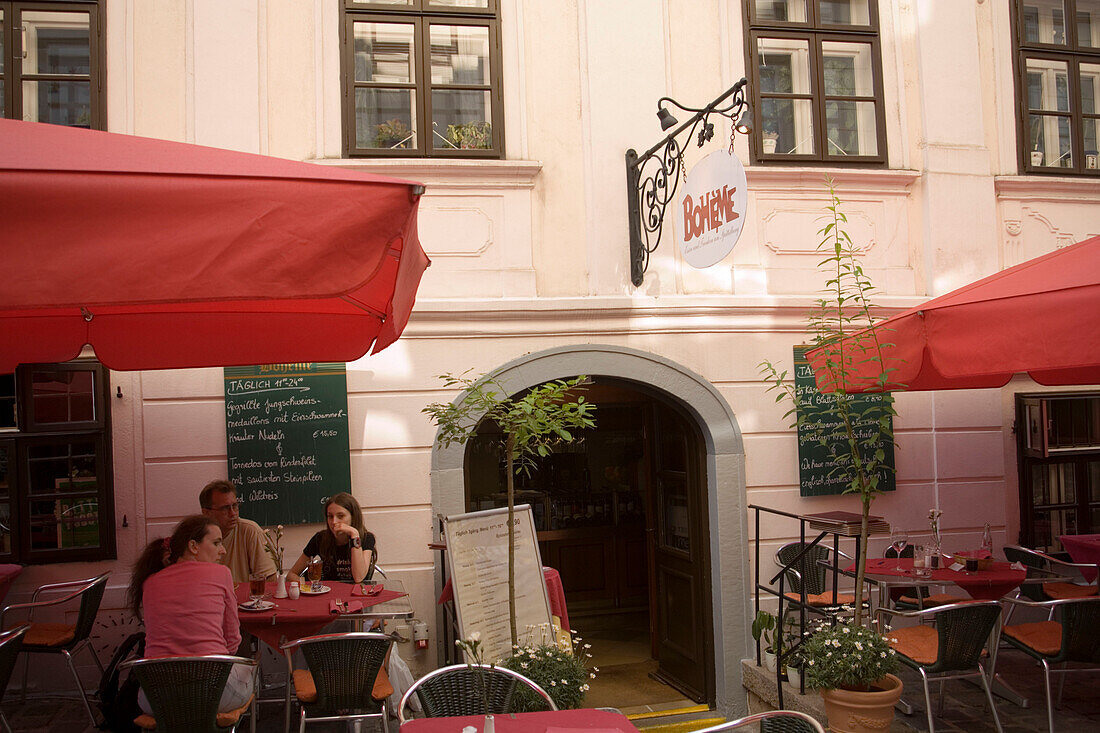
234	508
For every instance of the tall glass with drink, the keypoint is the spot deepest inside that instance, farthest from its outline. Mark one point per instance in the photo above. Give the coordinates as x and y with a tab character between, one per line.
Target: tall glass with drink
314	574
256	585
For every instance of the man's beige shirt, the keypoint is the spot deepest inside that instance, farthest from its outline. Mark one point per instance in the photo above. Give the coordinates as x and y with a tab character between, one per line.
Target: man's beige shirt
245	553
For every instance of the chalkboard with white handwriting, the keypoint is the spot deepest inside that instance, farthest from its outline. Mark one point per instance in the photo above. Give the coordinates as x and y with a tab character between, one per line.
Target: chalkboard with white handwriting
287	439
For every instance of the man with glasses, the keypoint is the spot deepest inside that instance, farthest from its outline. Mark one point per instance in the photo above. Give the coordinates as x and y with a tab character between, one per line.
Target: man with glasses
242	538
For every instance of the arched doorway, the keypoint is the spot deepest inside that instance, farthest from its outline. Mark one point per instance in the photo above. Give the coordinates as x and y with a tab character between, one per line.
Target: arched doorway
720	456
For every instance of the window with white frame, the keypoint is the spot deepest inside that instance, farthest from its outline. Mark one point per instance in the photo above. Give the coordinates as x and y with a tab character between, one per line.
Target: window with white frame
816	81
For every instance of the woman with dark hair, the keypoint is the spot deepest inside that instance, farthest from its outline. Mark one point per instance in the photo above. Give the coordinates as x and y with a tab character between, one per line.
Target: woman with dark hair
186	598
344	546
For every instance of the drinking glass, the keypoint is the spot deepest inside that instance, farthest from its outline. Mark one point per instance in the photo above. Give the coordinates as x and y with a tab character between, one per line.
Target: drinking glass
899	538
315	570
256	583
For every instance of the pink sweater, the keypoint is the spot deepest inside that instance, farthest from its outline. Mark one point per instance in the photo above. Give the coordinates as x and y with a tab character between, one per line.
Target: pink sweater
190	609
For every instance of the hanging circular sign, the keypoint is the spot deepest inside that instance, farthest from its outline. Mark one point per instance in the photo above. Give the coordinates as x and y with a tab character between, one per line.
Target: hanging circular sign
712	208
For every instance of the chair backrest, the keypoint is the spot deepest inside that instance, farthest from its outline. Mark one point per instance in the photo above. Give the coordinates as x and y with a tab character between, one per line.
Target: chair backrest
90	597
1036	564
1080	620
772	721
344	667
963	629
808	570
184	692
462	689
10	644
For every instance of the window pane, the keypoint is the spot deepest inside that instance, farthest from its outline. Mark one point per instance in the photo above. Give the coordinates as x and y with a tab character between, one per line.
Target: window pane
384	52
7	401
844	12
1044	22
1090	129
1050	141
1088	23
460	3
1047	85
460	120
790	11
460	54
58	102
65	523
850	128
1050	524
7	462
1090	88
62	468
848	69
784	65
60	396
1094	485
790	123
56	43
385	118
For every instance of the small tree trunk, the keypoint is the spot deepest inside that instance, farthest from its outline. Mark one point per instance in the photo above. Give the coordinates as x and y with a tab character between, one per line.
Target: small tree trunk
509	446
861	561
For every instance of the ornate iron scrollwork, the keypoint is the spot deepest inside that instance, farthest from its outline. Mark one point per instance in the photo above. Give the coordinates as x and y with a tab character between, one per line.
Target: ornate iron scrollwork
653	177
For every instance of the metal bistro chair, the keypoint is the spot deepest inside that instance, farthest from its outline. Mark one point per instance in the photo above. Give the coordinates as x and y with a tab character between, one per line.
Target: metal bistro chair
1074	638
456	690
1040	564
60	638
951	649
344	679
10	644
184	693
772	721
811	575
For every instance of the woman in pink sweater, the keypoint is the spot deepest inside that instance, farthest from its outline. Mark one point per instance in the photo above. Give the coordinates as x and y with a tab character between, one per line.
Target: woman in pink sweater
186	598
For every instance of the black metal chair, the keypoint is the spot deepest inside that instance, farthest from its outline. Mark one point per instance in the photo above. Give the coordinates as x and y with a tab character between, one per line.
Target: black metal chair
811	575
184	693
1039	565
10	644
949	650
772	721
61	638
1072	638
339	682
457	690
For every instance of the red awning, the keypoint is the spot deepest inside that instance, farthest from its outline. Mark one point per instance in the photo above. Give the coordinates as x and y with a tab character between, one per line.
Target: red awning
1041	317
163	254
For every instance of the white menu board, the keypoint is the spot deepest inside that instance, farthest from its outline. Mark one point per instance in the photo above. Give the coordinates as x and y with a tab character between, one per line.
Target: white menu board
477	557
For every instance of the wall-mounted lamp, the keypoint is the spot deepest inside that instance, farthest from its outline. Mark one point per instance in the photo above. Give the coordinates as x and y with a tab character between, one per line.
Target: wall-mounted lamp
652	177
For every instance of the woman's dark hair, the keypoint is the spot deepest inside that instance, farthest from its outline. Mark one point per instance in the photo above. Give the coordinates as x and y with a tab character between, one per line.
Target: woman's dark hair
162	552
347	501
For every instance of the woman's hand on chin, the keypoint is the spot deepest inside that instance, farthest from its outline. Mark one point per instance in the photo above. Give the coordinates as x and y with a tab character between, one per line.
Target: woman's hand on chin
345	531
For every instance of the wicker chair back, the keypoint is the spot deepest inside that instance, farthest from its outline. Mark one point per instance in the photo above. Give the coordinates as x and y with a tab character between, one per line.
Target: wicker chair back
344	668
963	633
184	692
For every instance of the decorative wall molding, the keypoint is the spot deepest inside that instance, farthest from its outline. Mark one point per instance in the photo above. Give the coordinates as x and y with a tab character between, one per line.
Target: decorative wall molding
877	182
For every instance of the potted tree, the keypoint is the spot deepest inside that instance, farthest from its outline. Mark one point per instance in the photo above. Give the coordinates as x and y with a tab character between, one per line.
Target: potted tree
852	666
531	425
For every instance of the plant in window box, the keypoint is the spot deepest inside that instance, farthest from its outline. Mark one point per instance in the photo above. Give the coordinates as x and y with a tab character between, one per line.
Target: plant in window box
471	135
1036	153
771	139
392	134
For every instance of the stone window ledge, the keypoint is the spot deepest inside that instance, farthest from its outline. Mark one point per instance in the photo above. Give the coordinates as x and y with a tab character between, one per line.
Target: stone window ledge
448	172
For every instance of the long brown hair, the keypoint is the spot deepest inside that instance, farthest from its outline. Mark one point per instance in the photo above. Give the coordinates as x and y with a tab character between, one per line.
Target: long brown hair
162	552
347	501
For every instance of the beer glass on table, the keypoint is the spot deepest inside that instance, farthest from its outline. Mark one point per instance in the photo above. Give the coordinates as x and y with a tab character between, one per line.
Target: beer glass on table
314	574
256	587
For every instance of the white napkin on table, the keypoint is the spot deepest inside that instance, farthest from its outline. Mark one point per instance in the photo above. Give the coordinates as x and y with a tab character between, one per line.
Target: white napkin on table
1018	566
956	566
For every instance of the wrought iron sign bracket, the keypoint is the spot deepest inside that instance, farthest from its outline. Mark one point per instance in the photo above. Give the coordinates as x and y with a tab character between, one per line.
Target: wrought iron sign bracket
653	176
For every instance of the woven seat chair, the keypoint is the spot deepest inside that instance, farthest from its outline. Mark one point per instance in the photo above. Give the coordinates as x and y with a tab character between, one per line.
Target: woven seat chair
343	679
951	649
1071	638
811	575
1040	564
184	693
10	644
772	721
60	638
456	690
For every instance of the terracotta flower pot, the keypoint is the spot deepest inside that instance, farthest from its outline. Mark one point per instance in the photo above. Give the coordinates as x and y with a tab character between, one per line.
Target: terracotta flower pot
863	712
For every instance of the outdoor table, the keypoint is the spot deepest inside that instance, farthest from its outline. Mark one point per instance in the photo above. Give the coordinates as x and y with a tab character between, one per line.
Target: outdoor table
554	590
1083	548
985	585
551	721
308	614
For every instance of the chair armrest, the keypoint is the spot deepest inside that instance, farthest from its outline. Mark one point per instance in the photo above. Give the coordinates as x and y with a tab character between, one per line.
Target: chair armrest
58	586
37	604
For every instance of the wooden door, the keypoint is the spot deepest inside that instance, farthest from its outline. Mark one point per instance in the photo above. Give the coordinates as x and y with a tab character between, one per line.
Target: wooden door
681	557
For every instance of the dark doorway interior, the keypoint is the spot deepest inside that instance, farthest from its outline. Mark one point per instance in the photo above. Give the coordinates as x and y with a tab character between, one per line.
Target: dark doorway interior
621	514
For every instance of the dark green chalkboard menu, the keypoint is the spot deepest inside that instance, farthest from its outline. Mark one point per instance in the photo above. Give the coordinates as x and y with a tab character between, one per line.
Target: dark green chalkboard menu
815	463
286	428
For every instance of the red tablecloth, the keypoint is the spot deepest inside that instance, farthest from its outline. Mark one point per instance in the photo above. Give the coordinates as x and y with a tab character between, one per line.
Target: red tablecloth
557	721
302	617
8	574
988	585
553	589
1083	548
